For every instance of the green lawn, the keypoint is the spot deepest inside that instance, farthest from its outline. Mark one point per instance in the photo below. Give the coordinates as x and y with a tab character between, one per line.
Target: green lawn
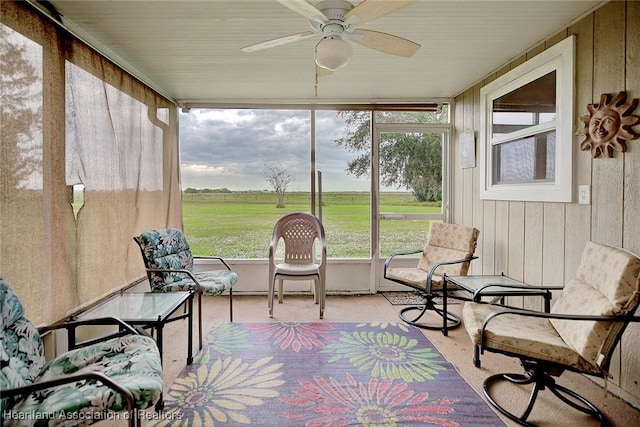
239	225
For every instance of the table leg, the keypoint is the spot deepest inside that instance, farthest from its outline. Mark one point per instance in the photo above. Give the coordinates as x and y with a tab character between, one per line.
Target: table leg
158	327
159	341
71	337
547	301
445	317
190	333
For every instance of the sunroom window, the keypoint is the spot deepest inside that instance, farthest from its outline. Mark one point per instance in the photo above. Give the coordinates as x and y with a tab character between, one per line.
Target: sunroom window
526	131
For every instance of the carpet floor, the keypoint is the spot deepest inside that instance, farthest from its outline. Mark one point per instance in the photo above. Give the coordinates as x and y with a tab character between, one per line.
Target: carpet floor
321	374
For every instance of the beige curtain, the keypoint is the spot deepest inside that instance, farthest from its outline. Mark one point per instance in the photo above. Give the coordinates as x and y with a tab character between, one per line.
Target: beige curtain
77	121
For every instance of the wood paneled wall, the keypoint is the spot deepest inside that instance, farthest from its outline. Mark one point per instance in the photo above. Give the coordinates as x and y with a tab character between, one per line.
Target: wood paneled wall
541	243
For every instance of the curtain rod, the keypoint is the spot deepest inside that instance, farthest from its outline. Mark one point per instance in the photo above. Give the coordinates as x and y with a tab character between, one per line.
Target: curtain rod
350	106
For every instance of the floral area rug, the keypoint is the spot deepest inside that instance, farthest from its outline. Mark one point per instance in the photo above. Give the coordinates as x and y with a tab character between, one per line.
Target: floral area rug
321	374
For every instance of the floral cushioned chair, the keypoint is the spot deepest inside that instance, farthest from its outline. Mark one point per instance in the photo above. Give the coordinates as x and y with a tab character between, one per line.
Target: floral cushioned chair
169	264
78	387
449	251
580	334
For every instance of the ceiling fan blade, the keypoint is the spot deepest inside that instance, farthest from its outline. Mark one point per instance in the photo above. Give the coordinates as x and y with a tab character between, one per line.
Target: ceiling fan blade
383	42
280	41
305	9
368	10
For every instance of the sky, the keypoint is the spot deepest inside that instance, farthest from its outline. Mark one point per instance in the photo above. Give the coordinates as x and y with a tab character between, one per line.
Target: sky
232	148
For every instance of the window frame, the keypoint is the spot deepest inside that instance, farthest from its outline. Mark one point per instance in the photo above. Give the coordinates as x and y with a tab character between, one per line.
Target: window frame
558	58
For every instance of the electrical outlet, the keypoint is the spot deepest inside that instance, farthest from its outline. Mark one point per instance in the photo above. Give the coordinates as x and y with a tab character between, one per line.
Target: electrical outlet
584	195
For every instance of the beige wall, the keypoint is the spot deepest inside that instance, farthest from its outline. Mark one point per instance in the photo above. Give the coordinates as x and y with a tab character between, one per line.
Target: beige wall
541	243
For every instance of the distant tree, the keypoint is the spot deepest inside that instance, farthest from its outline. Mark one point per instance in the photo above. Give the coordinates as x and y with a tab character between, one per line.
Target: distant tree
409	160
278	178
208	190
22	155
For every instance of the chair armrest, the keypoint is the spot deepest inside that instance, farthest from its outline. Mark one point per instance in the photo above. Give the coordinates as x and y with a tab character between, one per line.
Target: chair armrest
433	268
174	270
531	313
458	261
392	256
42	385
273	245
216	258
178	270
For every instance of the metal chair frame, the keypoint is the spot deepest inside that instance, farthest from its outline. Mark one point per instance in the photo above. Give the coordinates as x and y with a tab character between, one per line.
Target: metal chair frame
540	372
151	270
449	320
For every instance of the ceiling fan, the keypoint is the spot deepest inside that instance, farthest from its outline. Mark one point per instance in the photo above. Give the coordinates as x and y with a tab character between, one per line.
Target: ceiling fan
337	23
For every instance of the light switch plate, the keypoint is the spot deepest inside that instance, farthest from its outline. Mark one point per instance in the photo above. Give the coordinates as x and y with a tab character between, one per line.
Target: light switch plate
584	195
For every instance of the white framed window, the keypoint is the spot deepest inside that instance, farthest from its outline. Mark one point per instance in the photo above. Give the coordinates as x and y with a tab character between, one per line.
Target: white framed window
526	131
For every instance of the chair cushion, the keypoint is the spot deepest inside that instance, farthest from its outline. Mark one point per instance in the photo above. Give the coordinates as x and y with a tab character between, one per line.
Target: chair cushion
213	282
132	361
453	236
614	272
449	242
527	336
168	248
606	284
22	354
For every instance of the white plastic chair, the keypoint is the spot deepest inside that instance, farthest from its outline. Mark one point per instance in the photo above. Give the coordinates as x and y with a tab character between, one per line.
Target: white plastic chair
299	232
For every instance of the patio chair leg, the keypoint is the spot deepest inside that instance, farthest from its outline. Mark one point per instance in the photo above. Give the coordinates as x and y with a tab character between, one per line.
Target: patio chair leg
588	408
540	379
476	356
270	297
200	320
452	320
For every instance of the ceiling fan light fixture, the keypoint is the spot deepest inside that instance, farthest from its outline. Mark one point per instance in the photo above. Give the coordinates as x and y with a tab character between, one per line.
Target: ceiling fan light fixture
333	53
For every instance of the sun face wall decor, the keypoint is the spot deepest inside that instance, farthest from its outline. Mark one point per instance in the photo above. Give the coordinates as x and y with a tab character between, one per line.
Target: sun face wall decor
609	125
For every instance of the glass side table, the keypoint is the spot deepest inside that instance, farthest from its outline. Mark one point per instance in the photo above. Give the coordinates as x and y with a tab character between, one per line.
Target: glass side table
145	309
500	286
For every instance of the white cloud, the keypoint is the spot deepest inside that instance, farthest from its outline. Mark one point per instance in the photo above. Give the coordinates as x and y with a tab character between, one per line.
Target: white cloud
230	148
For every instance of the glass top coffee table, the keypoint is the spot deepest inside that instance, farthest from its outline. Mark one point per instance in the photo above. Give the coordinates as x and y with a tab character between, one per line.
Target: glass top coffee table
500	286
145	309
